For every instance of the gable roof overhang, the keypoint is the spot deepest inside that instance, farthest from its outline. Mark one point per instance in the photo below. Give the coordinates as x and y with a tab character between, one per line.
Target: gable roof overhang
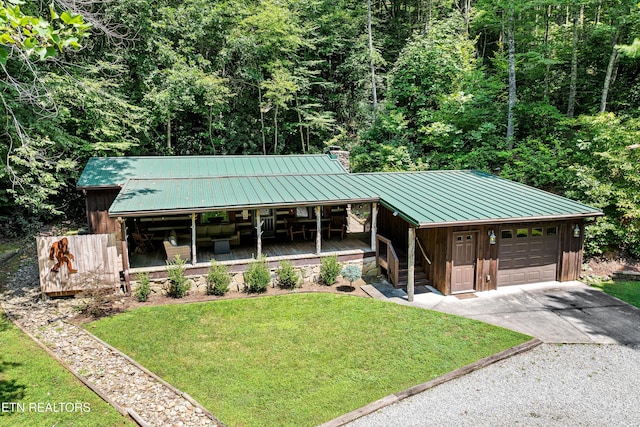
150	197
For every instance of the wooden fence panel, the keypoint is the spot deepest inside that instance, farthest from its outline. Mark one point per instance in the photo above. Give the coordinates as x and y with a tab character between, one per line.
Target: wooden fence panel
95	263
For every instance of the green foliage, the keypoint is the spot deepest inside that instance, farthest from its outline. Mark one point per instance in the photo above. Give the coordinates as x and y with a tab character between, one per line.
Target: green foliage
329	270
218	279
178	284
286	275
143	288
38	36
257	277
351	273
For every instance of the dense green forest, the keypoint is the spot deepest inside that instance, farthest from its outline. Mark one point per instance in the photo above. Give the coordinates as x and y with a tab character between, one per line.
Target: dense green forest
542	92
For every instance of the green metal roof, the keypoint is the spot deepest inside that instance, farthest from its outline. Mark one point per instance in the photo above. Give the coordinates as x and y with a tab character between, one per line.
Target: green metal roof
437	198
143	197
106	172
424	199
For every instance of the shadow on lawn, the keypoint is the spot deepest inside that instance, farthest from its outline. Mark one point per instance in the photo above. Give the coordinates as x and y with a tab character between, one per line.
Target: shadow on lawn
10	390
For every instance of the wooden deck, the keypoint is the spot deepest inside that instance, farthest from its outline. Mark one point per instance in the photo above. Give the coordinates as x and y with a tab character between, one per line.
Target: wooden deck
275	250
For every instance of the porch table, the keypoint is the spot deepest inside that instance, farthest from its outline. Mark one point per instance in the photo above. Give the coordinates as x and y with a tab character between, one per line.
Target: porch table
221	244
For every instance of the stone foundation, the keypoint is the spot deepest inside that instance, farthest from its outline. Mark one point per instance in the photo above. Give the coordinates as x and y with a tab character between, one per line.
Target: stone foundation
307	273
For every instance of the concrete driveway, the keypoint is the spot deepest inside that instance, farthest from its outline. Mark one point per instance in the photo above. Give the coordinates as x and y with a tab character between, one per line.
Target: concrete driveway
554	312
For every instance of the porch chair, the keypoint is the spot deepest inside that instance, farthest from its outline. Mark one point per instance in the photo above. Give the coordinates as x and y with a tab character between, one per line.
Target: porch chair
337	224
143	242
294	227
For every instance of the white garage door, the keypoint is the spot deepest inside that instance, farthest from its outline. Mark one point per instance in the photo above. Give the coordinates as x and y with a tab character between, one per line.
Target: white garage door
527	255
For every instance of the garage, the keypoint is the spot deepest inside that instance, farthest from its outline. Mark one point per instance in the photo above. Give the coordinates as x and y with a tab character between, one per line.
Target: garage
527	254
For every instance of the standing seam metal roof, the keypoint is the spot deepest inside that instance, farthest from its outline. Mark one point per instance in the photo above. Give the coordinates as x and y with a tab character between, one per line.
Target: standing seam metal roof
101	172
424	199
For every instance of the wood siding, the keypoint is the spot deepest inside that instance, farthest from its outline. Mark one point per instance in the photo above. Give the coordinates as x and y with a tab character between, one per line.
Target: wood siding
95	257
571	251
394	228
98	203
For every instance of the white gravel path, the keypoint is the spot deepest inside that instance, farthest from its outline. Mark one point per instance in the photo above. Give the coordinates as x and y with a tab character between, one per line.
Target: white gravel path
551	385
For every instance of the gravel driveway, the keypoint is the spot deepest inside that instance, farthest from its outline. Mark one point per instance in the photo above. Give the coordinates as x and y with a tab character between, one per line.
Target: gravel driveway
551	385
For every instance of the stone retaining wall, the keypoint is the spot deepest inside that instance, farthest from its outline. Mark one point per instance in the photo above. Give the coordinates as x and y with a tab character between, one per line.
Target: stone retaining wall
627	275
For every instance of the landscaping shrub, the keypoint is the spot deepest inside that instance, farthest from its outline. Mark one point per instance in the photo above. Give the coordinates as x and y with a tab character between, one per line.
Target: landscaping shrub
218	279
351	273
178	284
257	277
330	270
287	277
143	290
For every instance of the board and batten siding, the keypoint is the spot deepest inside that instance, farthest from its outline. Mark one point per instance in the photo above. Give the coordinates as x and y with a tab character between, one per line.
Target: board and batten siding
98	203
96	259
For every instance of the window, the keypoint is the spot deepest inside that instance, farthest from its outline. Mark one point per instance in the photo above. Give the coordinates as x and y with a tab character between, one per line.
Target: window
459	238
522	232
536	232
214	217
506	234
552	231
469	237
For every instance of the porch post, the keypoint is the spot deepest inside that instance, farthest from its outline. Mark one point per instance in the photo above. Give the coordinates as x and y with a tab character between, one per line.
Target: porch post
374	225
318	230
193	239
258	234
411	263
125	254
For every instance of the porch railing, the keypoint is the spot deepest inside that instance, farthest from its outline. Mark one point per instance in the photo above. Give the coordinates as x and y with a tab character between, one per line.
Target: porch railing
387	258
424	253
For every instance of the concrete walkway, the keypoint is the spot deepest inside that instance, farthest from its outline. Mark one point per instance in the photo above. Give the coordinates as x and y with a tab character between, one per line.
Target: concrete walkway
554	312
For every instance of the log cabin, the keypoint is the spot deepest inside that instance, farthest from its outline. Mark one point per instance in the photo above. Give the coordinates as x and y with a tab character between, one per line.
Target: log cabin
457	231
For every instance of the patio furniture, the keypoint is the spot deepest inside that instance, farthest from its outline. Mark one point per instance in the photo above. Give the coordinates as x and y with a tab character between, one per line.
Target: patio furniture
337	224
294	227
172	248
205	234
221	245
143	242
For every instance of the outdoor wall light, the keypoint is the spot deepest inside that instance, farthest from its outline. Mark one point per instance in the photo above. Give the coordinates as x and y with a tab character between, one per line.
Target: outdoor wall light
395	213
492	237
576	230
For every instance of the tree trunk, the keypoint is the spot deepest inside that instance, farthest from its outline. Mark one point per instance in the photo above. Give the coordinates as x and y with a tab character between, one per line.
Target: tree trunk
546	49
573	79
275	133
371	61
512	78
169	131
210	118
300	127
264	138
613	59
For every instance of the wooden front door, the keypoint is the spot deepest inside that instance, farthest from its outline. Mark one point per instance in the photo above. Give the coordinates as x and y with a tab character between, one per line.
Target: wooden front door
463	271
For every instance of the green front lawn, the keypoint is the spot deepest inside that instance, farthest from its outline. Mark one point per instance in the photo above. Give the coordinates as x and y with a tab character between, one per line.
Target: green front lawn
36	391
627	291
301	359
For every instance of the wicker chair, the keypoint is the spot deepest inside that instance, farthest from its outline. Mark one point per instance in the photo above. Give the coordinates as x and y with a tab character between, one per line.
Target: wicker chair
172	251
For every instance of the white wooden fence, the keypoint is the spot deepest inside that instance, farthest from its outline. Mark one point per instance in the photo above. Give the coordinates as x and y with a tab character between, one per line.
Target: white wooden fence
96	260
